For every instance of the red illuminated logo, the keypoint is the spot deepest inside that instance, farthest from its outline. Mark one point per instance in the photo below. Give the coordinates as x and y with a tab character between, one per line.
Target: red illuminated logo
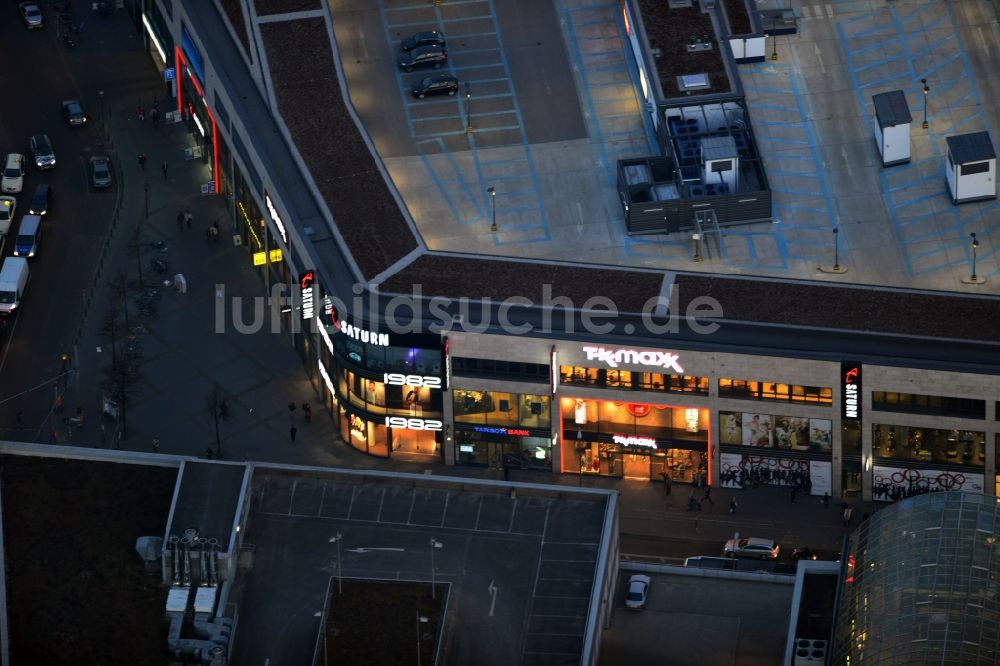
307	279
851	375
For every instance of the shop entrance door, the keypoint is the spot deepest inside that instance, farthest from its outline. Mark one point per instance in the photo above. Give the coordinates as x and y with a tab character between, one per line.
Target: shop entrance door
494	453
636	466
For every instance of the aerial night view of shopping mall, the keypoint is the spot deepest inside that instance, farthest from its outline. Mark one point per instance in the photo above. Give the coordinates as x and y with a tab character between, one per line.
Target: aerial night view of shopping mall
500	333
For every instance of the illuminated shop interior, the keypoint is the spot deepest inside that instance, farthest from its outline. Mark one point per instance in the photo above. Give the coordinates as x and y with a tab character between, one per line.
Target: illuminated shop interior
634	440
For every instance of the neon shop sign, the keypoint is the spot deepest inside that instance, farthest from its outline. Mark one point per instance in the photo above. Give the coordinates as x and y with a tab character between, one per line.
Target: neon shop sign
653	359
632	440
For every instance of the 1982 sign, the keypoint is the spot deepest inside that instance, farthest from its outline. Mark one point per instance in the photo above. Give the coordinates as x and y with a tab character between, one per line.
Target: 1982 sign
413	423
399	379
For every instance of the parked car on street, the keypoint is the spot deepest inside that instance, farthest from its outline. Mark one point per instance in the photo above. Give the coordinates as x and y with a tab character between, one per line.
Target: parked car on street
41	150
8	206
638	592
100	172
41	200
31	15
765	549
13	174
426	38
422	56
74	113
442	84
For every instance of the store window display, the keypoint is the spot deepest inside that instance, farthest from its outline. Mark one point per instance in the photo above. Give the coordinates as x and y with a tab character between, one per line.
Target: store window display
502	409
956	447
791	433
364	435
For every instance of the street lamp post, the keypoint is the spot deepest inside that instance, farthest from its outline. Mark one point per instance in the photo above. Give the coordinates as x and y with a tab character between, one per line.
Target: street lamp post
100	96
836	249
493	201
975	246
420	620
468	108
434	544
337	538
774	53
926	90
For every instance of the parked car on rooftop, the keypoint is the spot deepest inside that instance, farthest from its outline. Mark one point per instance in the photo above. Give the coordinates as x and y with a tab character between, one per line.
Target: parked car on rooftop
638	592
422	56
425	38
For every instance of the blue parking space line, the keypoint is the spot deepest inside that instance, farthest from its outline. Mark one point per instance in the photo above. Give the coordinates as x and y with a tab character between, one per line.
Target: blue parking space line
884	79
912	202
807	158
441	185
453	116
917	219
518	160
804	209
488	49
785	140
954	127
773	91
465	35
463	132
774	107
465	68
794	174
930	47
866	49
876	63
905	185
598	54
791	190
442	20
936	267
930	72
870	32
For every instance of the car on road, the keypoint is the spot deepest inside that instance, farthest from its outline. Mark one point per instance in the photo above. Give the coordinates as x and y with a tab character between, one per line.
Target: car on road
8	206
74	113
100	172
638	592
804	553
40	200
41	150
13	174
765	549
425	38
442	84
422	56
31	15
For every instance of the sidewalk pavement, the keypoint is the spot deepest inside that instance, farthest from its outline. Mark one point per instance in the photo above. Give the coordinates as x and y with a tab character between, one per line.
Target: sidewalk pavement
185	353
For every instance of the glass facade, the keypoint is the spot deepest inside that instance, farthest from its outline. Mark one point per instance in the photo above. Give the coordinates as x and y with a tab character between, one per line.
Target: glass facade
630	380
920	584
635	440
754	390
500	429
956	447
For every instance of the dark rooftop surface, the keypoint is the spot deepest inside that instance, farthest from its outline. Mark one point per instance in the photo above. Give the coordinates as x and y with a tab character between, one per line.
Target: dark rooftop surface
497	279
234	12
669	31
891	108
207	500
816	305
76	589
266	7
738	16
973	147
333	149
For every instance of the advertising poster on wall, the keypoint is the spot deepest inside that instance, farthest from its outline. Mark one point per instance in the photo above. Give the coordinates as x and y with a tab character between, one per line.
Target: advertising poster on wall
821	435
747	471
896	483
757	430
730	428
819	474
791	433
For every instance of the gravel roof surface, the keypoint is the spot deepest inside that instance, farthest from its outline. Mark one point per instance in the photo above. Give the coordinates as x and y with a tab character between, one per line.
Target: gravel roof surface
462	277
854	308
233	10
265	7
669	30
738	16
331	145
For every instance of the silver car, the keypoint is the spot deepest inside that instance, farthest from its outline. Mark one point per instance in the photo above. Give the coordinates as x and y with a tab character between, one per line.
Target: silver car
765	549
31	15
100	172
41	150
638	592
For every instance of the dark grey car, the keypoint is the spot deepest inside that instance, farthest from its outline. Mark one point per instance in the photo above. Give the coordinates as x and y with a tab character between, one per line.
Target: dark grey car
426	38
41	150
422	56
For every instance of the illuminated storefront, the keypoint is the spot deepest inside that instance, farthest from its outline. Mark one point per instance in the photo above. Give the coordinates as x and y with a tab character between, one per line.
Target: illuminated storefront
502	429
634	440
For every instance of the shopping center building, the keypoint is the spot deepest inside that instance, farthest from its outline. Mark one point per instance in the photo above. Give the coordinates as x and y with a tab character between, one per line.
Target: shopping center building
501	362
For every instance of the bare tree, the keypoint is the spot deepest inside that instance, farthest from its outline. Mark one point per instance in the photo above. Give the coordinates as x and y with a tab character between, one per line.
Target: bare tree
121	379
218	407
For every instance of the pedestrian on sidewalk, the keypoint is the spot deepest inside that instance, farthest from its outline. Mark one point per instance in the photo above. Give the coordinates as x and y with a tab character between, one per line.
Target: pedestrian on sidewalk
794	491
141	112
20	421
154	115
292	431
732	505
156	445
847	517
54	434
826	500
307	411
844	506
216	231
187	218
208	235
142	161
163	168
180	220
208	453
707	497
668	483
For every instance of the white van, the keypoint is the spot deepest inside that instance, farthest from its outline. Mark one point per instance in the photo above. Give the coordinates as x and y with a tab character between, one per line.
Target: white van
29	236
13	280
